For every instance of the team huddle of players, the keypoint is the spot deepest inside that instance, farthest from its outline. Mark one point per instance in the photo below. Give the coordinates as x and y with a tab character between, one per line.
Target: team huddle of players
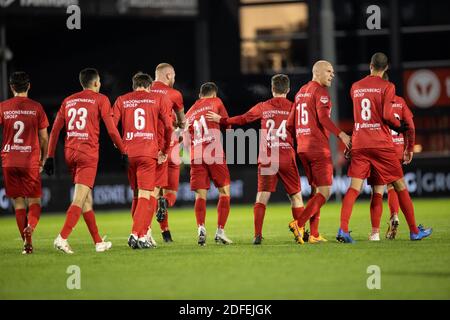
153	124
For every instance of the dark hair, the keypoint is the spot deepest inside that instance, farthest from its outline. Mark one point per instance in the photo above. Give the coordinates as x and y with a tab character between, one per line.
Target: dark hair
208	88
385	76
87	76
19	81
280	83
379	61
141	79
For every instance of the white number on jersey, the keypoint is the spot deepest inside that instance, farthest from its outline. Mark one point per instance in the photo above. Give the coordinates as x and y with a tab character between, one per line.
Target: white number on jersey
19	126
366	114
199	125
281	131
81	122
139	119
302	114
395	133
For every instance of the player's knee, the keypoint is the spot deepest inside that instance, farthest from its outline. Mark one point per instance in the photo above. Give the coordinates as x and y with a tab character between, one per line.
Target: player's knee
325	192
399	185
201	194
296	200
19	203
224	191
263	197
34	201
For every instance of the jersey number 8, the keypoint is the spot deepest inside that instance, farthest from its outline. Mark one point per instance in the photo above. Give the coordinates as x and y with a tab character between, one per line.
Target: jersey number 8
366	114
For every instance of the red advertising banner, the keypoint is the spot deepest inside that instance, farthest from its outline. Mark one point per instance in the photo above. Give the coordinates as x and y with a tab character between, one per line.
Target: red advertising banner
425	88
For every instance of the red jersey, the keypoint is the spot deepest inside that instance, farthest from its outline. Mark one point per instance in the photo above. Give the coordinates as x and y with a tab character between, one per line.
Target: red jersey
401	112
176	100
311	118
139	112
372	107
21	118
273	114
80	114
205	135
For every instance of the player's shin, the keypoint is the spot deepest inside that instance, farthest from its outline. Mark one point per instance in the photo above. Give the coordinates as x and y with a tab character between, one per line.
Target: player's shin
259	211
72	216
408	209
200	211
313	206
376	210
21	219
223	210
394	205
347	207
89	218
34	213
314	224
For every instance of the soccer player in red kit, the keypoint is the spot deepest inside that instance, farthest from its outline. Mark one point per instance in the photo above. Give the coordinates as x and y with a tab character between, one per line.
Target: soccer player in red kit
168	172
80	115
139	112
24	149
372	151
279	160
403	145
404	148
208	160
312	123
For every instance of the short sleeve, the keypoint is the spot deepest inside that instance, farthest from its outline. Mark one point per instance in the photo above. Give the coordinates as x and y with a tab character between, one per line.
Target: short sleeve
42	118
177	100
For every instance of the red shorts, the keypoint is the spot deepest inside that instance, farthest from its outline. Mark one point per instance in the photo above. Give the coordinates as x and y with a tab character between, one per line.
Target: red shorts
375	179
381	164
318	168
202	174
168	173
22	182
287	173
141	173
82	167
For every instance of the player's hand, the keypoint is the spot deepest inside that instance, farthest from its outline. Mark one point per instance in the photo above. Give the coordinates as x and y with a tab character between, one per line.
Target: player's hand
162	157
212	116
124	161
347	153
403	127
346	139
407	157
49	166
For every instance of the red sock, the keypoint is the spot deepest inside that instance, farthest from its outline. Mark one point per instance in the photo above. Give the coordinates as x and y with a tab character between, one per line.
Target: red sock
259	210
171	198
73	214
376	210
200	211
34	213
133	206
297	212
347	207
89	218
314	224
148	217
223	209
164	225
21	219
393	201
140	216
313	206
407	209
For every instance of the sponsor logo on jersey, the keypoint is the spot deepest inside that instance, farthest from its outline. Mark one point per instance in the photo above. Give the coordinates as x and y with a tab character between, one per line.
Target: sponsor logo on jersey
324	99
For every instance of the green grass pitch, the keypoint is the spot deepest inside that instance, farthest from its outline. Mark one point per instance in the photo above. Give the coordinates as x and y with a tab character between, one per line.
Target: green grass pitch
278	269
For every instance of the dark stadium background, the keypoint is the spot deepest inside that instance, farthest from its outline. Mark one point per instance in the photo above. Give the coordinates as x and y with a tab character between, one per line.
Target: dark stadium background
205	41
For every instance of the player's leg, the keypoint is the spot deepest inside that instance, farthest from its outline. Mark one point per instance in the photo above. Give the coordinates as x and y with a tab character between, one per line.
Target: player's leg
146	204
200	214
89	218
223	210
20	208
314	220
416	232
166	201
394	207
321	171
73	214
347	208
259	211
376	211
